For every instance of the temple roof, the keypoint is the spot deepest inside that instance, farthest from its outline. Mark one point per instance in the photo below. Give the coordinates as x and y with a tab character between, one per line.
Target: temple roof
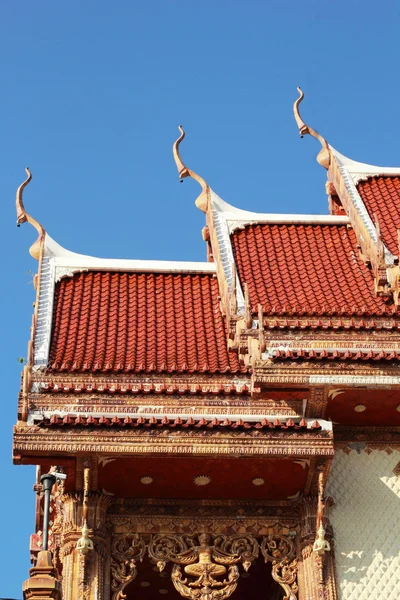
310	269
381	196
99	315
135	322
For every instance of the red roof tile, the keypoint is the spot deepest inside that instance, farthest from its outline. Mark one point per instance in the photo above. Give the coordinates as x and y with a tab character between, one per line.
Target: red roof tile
131	322
305	270
381	196
109	421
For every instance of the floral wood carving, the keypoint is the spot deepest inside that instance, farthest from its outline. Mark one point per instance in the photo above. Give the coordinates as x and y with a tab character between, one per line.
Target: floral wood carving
126	551
281	552
277	548
245	546
285	573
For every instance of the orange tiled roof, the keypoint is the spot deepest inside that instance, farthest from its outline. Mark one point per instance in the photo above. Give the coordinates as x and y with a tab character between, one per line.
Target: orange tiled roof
381	196
132	322
305	270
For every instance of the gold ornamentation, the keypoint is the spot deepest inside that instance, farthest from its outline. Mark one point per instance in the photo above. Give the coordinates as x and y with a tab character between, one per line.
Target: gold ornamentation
285	573
23	217
277	548
163	547
146	480
245	546
258	481
205	562
203	199
324	156
207	591
126	551
201	480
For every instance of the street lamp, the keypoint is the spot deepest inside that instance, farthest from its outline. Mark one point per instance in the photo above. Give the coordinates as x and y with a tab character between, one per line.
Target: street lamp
47	481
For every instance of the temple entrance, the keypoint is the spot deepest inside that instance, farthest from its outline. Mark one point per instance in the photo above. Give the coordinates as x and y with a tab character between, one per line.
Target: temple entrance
150	584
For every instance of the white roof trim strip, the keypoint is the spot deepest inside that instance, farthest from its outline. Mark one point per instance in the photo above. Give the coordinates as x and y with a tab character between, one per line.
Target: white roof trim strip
237	218
45	312
225	246
345	166
359	380
359	171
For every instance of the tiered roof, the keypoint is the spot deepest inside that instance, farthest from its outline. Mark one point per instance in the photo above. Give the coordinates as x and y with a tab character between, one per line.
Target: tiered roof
334	271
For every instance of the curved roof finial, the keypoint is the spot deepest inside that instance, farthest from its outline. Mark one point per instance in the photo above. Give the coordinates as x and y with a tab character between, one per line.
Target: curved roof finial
324	155
202	200
23	217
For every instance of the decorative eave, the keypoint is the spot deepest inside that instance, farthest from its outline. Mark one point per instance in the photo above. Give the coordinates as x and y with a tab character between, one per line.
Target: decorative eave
343	176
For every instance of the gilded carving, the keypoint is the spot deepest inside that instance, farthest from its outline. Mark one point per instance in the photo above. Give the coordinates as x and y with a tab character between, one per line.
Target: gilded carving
126	550
206	561
284	572
281	552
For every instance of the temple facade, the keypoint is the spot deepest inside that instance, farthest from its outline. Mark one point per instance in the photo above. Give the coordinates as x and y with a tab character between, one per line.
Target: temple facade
222	428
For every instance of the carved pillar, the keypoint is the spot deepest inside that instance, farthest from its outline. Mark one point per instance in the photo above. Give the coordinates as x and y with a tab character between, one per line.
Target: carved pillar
84	551
316	572
43	583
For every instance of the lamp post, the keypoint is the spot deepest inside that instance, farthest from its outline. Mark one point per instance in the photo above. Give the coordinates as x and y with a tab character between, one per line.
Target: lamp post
47	480
43	582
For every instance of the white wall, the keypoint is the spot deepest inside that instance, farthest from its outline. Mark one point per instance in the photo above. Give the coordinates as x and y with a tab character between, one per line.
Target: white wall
366	522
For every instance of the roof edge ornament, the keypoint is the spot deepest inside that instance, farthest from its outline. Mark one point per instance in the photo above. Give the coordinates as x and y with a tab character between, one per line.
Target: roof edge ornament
202	200
323	157
23	217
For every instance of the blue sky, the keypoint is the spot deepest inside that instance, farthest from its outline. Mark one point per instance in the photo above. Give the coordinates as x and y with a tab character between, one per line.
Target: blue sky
92	93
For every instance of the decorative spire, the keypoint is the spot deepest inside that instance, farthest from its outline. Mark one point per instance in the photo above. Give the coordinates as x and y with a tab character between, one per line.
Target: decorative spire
23	216
324	155
202	200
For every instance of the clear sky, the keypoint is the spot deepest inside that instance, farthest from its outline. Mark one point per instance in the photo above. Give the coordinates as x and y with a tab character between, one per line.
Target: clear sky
92	93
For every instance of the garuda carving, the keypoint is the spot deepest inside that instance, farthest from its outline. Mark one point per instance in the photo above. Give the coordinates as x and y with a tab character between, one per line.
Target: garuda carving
126	551
205	561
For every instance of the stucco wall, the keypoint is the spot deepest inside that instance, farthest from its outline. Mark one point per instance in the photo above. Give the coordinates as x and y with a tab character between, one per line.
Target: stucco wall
366	522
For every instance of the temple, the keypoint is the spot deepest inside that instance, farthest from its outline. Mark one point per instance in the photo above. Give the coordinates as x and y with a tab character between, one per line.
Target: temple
227	428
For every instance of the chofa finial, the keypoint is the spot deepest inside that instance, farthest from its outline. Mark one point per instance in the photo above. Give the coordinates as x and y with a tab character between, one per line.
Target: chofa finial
202	200
324	155
23	217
